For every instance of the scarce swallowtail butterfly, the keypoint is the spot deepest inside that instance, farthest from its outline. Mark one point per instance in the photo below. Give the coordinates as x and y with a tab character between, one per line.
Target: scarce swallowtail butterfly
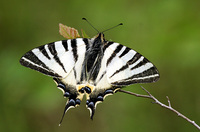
92	67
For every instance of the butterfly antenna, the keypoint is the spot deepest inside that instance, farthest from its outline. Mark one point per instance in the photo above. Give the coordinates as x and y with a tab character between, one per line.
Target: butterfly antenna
113	27
90	24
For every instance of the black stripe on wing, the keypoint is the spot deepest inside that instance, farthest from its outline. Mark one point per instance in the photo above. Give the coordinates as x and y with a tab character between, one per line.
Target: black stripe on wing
107	45
131	61
65	44
30	60
74	49
125	52
141	63
43	51
148	76
53	51
118	48
86	43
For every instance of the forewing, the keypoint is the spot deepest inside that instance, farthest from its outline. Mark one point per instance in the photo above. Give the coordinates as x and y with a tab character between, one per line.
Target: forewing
55	59
126	66
63	61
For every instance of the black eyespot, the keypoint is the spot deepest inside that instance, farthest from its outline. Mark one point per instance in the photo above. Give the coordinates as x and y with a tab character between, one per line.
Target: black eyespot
100	98
72	102
109	91
60	85
87	90
91	105
87	102
78	101
66	94
82	90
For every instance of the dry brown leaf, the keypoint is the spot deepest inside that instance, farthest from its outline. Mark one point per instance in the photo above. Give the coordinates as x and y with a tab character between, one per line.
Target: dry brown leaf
68	32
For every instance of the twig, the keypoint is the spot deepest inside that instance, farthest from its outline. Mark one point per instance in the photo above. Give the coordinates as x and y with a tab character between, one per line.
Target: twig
150	96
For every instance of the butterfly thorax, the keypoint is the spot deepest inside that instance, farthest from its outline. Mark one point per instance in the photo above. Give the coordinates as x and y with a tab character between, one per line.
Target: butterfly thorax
93	57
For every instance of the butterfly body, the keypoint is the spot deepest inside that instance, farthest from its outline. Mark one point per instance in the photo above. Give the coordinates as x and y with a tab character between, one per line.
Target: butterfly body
92	67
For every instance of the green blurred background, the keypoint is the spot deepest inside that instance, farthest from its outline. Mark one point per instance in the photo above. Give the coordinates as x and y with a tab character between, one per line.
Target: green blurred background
167	32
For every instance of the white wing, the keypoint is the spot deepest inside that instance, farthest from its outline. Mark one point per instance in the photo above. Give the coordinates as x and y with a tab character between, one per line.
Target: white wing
56	59
125	66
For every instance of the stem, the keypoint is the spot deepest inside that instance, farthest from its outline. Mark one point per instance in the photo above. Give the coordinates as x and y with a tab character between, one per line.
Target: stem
169	107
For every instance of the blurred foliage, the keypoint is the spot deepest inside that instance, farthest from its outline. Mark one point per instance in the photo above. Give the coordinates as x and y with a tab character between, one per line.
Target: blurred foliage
166	32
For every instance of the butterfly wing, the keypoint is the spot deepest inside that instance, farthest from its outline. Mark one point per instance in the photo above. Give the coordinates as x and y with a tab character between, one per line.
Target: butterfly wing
61	60
120	66
126	66
55	59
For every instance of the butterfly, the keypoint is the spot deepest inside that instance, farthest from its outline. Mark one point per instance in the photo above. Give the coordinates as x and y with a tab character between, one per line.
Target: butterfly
92	67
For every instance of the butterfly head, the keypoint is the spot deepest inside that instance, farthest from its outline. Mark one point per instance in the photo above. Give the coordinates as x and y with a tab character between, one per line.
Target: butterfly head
100	37
98	40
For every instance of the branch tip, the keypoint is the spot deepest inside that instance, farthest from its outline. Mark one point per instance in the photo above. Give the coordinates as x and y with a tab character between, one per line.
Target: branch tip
156	101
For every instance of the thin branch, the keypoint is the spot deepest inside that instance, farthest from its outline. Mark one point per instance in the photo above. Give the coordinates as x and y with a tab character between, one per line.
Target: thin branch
156	101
